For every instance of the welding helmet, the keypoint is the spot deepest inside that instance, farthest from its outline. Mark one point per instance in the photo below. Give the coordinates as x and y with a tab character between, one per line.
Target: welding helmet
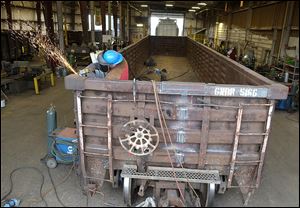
110	57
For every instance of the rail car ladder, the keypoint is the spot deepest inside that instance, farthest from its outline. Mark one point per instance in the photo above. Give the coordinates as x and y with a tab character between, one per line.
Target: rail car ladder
262	149
109	137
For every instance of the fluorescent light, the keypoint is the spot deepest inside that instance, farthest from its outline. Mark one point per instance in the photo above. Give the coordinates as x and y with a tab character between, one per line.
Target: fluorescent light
144	5
139	25
202	4
195	7
169	5
192	10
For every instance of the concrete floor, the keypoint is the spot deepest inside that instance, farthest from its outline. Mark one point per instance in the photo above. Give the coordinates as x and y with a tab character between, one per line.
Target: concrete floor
23	143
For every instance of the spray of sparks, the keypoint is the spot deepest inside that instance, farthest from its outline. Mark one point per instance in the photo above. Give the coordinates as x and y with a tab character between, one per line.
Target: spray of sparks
40	42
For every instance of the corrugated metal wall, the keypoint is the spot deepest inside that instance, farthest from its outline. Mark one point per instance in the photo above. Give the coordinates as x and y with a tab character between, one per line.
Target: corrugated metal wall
265	19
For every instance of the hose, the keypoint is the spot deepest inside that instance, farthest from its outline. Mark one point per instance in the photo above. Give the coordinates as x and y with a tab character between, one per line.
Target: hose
64	157
11	182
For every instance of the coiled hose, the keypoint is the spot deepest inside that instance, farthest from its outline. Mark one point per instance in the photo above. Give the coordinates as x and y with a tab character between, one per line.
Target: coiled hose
66	158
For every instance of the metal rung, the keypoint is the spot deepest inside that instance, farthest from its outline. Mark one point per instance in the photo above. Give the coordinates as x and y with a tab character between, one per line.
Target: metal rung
93	126
248	161
167	174
93	97
99	179
255	104
96	154
241	187
252	134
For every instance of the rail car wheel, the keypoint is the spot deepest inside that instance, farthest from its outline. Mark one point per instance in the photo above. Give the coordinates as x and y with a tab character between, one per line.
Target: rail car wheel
207	194
127	190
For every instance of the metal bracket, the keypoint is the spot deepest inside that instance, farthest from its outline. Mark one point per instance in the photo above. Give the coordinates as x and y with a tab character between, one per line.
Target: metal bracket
183	113
142	188
180	136
223	185
134	90
179	157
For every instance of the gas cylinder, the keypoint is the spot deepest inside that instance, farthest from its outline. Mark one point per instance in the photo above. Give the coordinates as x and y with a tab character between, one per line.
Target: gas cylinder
51	124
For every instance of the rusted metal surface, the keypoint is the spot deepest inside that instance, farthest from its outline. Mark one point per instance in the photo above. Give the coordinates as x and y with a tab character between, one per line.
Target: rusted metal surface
221	126
109	137
204	135
235	144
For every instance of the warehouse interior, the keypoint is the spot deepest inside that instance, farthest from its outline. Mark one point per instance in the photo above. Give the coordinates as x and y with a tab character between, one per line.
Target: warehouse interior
218	78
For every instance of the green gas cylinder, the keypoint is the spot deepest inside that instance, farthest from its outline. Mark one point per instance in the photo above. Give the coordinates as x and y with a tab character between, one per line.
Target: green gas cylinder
51	124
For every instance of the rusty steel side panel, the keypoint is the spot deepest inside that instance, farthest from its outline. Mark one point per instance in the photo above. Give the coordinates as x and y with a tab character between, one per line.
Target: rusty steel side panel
216	136
202	118
135	56
273	91
168	45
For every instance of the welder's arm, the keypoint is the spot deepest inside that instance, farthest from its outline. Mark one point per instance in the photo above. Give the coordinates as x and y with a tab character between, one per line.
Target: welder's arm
119	72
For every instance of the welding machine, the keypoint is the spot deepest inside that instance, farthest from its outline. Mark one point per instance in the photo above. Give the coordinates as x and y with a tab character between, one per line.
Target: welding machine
62	143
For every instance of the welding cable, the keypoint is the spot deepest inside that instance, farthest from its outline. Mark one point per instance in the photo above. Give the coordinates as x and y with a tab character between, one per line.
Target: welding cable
169	136
179	75
11	182
55	191
60	183
160	121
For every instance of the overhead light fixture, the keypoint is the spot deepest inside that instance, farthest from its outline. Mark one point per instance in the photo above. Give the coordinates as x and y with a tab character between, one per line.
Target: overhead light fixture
139	25
144	5
202	4
194	7
169	5
192	10
241	3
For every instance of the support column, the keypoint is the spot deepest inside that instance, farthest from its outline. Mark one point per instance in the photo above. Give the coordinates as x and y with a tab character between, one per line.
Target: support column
59	6
122	21
8	12
109	18
249	20
103	7
273	46
10	27
92	12
38	15
115	17
228	29
73	8
84	20
48	15
129	24
287	28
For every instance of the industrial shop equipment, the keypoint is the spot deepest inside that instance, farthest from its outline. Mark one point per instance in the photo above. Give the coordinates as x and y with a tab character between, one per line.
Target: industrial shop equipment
62	143
20	74
218	128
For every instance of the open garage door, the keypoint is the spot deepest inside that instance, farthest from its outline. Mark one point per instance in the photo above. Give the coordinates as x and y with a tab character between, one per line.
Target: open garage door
167	24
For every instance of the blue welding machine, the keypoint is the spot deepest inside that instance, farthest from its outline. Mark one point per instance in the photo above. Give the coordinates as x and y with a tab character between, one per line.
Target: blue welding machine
62	143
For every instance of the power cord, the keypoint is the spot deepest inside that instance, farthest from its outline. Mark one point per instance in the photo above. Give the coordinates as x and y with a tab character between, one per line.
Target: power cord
11	182
179	75
55	191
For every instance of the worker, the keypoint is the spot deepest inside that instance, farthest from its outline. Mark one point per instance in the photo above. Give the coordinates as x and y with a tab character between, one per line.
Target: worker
118	67
232	54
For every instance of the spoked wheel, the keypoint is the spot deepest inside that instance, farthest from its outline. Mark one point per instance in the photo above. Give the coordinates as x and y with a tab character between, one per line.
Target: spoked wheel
127	190
207	194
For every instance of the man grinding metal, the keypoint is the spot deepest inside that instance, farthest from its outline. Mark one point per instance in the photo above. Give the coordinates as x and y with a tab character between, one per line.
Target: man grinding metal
108	64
